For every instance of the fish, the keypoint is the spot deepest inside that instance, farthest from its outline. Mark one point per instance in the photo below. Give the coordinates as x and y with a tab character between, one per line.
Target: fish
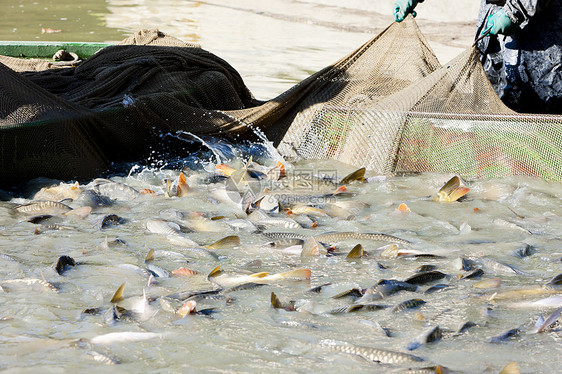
408	304
171	231
93	199
334	237
554	282
488	283
118	295
157	271
101	358
505	336
182	188
218	277
431	335
356	307
473	274
387	287
523	292
64	263
276	304
312	248
183	272
465	326
197	295
308	210
124	337
500	268
451	191
551	301
436	288
43	207
425	277
380	356
354	293
189	307
544	324
356	252
59	192
511	368
358	175
425	268
110	220
116	313
525	251
226	242
27	284
134	268
114	190
282	222
465	264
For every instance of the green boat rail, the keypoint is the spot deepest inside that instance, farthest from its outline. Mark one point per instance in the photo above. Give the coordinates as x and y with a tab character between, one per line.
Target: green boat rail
46	50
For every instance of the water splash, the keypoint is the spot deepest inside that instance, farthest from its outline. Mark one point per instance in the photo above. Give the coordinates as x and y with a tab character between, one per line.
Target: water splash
275	155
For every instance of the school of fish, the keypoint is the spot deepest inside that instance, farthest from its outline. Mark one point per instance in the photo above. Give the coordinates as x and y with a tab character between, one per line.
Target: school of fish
263	265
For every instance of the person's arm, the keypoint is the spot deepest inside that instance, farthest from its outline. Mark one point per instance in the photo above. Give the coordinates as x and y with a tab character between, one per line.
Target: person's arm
514	14
401	8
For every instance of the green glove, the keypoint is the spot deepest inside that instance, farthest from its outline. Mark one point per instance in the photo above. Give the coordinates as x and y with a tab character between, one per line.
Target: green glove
404	7
498	23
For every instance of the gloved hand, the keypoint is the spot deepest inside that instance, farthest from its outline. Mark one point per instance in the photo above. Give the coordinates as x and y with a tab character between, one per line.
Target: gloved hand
498	23
404	7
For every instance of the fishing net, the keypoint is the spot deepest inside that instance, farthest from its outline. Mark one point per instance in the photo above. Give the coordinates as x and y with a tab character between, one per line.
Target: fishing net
388	106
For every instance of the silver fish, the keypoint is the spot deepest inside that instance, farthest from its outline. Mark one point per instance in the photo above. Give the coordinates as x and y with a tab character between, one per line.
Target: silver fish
27	284
123	337
114	190
332	237
381	356
43	207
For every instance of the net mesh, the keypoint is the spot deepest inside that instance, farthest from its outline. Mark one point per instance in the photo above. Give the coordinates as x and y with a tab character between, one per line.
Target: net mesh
388	106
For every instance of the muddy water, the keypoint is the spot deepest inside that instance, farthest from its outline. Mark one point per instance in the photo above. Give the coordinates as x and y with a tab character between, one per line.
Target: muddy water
47	330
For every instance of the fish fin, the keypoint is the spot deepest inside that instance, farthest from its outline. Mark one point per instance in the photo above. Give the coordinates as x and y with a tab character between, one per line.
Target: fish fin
539	322
511	368
356	252
168	188
118	295
216	218
147	191
258	201
187	308
149	256
297	274
226	242
450	186
183	188
259	275
390	251
215	272
403	208
310	248
246	201
357	175
282	169
458	193
275	302
340	189
225	169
